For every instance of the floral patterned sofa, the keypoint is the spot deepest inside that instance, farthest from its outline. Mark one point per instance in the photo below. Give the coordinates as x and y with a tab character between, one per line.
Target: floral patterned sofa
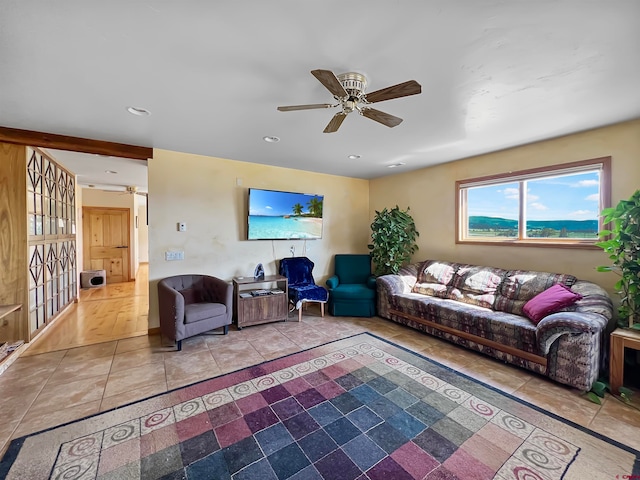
483	308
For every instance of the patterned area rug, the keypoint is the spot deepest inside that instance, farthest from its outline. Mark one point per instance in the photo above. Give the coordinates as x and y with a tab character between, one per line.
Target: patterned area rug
358	408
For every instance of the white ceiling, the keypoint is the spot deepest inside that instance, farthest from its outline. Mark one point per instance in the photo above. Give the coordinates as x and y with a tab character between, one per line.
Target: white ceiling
494	74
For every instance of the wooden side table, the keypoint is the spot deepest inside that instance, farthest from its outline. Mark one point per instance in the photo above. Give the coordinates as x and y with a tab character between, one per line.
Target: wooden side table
621	338
271	307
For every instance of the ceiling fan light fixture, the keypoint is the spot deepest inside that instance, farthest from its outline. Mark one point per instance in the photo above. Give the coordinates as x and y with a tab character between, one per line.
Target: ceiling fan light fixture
140	112
349	90
271	139
349	106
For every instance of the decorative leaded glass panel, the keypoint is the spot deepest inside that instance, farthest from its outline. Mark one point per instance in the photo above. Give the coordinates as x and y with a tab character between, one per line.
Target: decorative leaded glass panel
51	216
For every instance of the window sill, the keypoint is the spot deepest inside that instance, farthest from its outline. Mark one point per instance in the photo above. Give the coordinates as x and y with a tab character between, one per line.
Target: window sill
584	245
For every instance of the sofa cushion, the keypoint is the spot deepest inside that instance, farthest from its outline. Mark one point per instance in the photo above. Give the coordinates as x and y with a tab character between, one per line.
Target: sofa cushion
520	286
310	293
471	298
353	291
191	295
197	312
433	271
478	279
431	289
552	300
475	285
353	268
507	329
433	278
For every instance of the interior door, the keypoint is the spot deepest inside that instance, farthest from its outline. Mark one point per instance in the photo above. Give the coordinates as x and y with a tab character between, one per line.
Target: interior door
106	242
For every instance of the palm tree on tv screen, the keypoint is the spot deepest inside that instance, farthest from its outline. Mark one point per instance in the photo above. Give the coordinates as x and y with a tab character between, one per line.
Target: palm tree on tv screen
315	207
297	209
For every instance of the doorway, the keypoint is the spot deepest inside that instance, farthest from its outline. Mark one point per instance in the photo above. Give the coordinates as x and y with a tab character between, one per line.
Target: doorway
106	242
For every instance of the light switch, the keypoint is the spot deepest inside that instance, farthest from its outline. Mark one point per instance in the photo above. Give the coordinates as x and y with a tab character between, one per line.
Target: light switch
182	227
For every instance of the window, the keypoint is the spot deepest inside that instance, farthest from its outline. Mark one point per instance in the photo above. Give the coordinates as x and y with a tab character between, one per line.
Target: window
551	206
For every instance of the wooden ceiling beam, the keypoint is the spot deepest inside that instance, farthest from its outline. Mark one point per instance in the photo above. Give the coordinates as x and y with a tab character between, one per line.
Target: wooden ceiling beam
74	144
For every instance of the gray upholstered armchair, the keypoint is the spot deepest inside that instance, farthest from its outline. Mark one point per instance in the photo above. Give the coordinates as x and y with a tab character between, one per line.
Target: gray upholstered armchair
193	304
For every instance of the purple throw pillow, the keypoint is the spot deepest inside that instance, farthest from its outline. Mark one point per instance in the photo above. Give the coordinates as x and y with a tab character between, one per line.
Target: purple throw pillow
549	301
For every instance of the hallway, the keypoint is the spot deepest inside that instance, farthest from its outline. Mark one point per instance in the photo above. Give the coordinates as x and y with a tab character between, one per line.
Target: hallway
112	312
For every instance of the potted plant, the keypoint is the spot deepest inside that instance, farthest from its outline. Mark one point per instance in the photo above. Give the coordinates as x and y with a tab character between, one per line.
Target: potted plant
393	240
623	248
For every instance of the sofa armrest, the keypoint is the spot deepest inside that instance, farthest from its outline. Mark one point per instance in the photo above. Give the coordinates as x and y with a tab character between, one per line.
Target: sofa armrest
391	285
594	300
402	282
388	286
575	345
554	326
333	282
593	314
171	309
371	282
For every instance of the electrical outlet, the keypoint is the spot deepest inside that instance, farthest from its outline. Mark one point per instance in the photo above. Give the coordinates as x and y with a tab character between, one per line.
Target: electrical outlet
171	256
182	227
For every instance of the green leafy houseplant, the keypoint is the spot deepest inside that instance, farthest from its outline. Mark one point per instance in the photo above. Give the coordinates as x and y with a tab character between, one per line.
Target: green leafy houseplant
623	248
600	387
393	240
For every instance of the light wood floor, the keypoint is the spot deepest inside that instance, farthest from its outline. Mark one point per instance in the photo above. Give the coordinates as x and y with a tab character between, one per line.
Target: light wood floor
103	314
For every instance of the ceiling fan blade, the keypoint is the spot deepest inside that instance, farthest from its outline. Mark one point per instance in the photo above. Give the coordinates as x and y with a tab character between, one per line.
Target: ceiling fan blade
331	82
335	122
291	108
381	117
396	91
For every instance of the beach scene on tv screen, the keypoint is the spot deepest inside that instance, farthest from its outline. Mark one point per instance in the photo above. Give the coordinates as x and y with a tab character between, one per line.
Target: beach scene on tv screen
284	215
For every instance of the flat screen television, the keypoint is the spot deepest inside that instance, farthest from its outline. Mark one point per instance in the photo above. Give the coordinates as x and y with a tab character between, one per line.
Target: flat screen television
277	215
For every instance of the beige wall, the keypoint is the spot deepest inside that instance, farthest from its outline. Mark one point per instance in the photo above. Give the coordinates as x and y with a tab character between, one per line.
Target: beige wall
430	194
210	196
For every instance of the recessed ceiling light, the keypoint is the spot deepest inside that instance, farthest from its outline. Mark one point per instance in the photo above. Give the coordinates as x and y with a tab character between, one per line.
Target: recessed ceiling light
353	157
141	112
271	139
113	172
395	165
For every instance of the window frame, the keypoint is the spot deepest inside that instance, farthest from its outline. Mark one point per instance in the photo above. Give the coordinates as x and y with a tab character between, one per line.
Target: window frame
602	163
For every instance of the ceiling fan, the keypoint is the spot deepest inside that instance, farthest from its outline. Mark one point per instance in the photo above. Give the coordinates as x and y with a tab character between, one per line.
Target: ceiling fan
349	91
122	189
132	189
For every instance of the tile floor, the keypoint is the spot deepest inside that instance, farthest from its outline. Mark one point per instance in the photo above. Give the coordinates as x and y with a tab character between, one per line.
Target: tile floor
48	389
